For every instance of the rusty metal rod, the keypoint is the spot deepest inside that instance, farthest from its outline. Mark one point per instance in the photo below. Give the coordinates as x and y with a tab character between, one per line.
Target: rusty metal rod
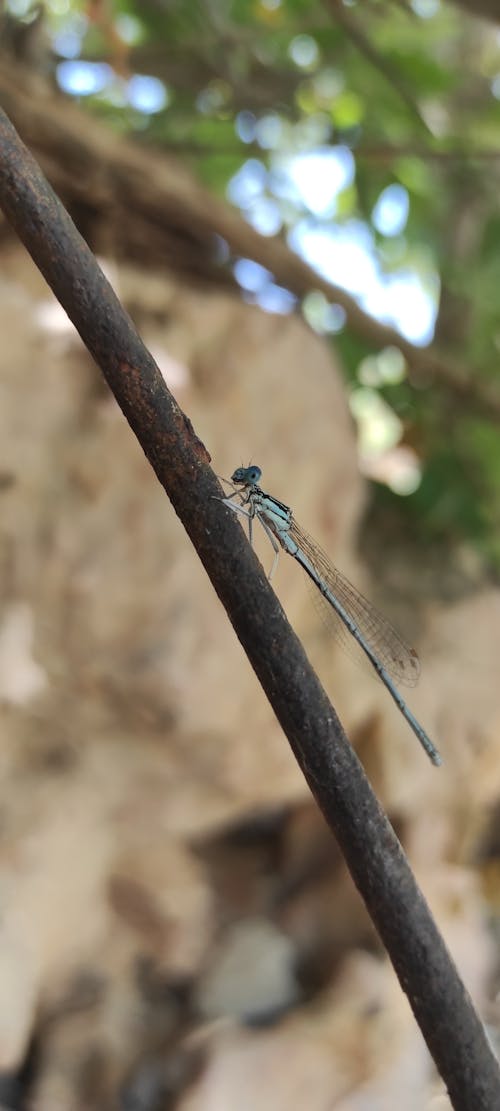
449	1023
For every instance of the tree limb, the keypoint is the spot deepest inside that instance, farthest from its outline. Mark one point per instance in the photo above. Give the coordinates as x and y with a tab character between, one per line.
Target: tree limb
487	9
443	1009
384	66
176	221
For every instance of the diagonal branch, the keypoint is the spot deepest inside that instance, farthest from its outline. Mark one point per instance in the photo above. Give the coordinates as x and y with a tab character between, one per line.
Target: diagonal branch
443	1009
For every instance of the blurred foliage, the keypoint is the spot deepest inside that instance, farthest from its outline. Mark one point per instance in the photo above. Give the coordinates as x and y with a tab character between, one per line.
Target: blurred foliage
412	89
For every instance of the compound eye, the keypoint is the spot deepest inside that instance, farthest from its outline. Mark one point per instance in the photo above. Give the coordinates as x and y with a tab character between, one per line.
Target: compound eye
254	474
246	476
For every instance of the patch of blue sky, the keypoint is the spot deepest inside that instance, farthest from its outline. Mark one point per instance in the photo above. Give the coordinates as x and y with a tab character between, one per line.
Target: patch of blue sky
314	179
265	216
147	94
269	131
259	287
346	256
250	275
84	78
404	301
248	184
390	213
244	125
67	42
274	298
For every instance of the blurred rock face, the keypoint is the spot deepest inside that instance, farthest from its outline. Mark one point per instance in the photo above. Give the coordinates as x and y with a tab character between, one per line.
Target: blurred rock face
134	732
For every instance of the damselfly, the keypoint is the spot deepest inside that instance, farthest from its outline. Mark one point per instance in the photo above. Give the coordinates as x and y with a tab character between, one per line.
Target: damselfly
381	643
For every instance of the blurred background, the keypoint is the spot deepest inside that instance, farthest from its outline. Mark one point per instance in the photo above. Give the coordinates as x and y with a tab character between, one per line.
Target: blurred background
298	205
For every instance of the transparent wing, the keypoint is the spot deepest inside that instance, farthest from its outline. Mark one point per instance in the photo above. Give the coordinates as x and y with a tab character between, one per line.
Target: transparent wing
400	661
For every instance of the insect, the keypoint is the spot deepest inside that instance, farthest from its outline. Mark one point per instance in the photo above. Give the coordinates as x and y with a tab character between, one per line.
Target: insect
386	650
